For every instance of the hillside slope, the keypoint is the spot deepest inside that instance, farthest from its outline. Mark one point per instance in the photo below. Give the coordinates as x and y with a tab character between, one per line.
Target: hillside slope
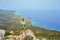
9	22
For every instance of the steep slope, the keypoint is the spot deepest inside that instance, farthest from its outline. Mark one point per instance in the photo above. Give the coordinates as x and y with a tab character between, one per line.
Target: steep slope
9	22
6	18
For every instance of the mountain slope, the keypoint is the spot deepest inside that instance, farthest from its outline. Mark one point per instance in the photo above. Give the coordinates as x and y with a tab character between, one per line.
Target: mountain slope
9	22
6	18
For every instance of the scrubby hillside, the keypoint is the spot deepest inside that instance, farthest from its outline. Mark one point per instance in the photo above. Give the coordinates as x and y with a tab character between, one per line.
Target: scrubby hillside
9	22
6	18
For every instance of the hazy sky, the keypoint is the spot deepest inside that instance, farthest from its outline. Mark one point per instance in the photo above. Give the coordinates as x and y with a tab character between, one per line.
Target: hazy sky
30	4
42	12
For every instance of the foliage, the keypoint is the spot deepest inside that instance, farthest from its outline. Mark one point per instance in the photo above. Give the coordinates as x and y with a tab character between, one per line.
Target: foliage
9	22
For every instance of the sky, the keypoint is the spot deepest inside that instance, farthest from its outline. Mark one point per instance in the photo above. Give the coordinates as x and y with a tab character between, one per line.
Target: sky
42	12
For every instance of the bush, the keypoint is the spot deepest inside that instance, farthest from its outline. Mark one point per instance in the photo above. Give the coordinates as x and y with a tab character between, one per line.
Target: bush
28	38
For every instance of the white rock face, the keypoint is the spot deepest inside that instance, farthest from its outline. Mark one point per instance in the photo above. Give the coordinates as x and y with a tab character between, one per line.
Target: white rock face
23	35
11	37
20	37
2	33
43	38
30	33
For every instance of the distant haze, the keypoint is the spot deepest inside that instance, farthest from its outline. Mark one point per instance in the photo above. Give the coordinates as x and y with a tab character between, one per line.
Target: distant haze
48	18
42	12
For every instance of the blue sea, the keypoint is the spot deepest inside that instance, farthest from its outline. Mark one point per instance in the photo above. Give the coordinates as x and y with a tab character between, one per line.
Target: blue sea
49	19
